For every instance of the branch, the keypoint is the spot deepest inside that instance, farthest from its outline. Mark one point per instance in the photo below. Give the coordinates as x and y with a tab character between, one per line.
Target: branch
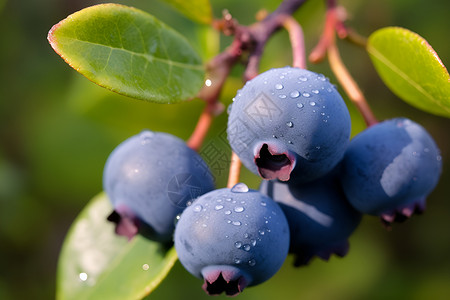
248	40
349	85
235	170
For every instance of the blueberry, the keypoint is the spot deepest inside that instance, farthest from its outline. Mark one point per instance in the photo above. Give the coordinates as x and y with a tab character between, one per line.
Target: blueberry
232	238
149	179
390	168
319	216
289	123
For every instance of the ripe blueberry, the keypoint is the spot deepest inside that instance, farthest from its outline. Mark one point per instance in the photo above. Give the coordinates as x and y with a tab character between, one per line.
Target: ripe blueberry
390	168
289	120
149	179
232	238
319	216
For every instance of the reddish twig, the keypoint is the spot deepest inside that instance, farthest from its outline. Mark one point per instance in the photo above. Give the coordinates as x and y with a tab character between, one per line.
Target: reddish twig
297	42
334	23
235	170
349	85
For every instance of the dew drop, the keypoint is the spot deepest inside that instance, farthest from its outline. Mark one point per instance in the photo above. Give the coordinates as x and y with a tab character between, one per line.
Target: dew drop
246	235
253	242
263	203
322	113
208	82
312	103
83	276
252	262
240	188
282	96
236	223
146	137
237	261
306	95
198	208
239	209
290	124
318	147
290	142
294	94
246	247
299	105
315	91
177	218
279	86
282	77
204	225
261	232
145	267
303	78
228	199
228	212
238	244
218	207
321	77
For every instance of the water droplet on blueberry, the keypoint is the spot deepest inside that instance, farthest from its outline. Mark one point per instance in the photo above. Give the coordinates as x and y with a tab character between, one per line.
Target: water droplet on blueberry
240	188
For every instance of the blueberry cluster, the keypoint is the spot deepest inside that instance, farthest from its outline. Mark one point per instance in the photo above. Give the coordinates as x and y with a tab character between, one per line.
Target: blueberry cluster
292	128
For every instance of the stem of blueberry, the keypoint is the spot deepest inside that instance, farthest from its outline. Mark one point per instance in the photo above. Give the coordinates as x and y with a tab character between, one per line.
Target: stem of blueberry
235	170
297	42
349	85
334	23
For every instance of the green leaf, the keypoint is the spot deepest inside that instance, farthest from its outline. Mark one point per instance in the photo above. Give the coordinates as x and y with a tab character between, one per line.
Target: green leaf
95	263
410	67
197	10
130	52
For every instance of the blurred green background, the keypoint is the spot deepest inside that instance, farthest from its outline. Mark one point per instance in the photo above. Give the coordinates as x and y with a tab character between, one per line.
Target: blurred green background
57	129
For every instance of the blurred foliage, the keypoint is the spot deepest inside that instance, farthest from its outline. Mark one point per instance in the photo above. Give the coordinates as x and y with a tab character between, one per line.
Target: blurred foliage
57	129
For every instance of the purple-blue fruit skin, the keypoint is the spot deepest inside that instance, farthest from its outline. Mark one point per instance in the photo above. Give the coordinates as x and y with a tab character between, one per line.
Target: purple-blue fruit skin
320	218
295	112
228	229
137	175
391	166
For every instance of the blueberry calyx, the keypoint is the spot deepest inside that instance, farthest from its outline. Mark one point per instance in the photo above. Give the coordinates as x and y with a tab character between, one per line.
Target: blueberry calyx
273	163
402	213
227	279
126	225
303	257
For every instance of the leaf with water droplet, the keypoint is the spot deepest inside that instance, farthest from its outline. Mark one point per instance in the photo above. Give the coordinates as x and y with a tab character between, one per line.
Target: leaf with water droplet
130	52
93	259
411	68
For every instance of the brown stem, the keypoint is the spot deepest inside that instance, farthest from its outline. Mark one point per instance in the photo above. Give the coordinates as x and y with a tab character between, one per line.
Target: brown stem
327	38
349	85
235	170
297	42
201	130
